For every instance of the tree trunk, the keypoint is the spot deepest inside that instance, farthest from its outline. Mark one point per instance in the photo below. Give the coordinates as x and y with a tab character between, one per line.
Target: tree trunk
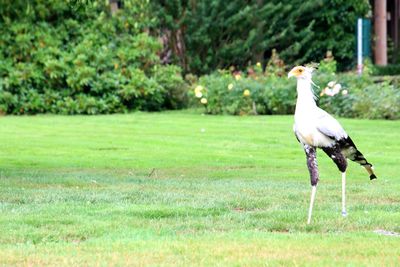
113	6
380	27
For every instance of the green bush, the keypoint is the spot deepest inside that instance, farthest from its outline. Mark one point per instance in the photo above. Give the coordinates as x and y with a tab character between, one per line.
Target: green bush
391	69
72	58
359	96
175	88
335	94
257	92
204	35
378	101
240	93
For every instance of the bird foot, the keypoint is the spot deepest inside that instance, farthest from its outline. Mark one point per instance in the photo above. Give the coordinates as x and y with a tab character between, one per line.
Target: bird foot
344	213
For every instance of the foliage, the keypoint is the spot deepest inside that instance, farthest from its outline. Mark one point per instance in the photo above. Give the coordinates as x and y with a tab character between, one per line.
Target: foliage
275	65
175	88
72	58
337	93
253	92
328	64
378	102
391	69
359	96
205	35
258	92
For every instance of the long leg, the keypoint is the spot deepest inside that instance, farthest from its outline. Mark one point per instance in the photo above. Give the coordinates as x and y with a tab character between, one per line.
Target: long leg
335	153
313	192
311	154
344	212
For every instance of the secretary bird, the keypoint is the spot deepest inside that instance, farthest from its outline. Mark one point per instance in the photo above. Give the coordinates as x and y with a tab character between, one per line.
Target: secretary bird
315	128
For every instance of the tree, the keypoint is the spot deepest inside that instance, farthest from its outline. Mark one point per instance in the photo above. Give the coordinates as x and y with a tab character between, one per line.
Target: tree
205	35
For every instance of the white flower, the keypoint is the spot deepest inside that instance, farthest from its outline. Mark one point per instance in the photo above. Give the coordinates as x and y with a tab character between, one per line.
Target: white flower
331	83
230	86
199	94
337	87
345	92
204	101
198	88
329	92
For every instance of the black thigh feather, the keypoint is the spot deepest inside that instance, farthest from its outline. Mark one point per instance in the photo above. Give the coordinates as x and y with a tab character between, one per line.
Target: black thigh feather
345	148
311	155
335	153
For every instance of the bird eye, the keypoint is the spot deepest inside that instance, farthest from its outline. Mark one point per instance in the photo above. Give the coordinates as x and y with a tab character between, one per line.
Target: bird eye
300	70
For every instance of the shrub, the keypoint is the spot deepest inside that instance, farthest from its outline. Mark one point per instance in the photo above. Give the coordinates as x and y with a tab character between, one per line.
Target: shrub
204	35
391	69
75	58
378	101
175	88
335	95
258	92
238	93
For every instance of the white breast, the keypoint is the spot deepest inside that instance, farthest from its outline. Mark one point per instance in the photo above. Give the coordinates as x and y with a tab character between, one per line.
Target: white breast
308	117
306	130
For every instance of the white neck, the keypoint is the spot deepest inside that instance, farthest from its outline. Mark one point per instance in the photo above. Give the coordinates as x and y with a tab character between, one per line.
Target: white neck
305	95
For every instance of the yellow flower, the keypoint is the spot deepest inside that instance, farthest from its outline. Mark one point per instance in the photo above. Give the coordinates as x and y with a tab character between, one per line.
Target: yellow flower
203	101
230	86
198	94
198	88
258	64
246	92
238	77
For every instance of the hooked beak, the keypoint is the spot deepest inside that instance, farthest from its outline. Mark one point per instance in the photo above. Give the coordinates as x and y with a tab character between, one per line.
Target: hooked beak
290	74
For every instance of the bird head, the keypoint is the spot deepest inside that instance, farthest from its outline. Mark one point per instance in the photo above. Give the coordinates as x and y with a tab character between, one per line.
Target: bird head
301	72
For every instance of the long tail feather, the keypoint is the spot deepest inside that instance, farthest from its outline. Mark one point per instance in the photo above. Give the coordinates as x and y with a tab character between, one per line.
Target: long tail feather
350	150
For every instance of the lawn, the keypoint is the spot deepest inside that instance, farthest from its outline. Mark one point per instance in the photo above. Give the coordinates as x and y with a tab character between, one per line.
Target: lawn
180	188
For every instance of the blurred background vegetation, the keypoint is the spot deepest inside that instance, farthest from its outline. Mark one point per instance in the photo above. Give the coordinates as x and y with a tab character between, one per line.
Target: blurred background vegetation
228	57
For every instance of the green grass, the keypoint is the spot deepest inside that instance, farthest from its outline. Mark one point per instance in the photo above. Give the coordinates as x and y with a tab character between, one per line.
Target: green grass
178	188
